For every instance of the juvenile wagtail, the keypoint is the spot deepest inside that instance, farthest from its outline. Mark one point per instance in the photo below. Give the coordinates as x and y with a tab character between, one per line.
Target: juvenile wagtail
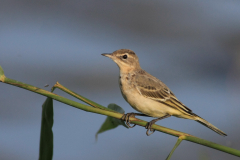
148	95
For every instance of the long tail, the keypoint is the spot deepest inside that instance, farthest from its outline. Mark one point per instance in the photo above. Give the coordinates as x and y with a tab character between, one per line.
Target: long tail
209	125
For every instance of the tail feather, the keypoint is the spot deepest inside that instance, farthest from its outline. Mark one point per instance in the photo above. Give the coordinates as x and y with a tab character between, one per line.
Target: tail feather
209	125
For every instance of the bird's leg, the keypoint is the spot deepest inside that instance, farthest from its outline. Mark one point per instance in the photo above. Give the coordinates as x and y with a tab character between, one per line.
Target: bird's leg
149	125
126	117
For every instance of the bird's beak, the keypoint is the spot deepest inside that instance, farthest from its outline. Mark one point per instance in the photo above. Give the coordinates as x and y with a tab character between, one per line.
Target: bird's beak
107	55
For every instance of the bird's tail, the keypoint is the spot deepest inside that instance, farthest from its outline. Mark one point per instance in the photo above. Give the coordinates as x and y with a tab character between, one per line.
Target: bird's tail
209	125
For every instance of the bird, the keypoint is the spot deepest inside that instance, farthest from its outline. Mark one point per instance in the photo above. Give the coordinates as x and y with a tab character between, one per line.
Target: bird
149	95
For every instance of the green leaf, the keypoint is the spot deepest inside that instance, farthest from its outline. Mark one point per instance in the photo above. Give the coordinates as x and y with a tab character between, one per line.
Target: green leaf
110	122
116	108
1	73
46	137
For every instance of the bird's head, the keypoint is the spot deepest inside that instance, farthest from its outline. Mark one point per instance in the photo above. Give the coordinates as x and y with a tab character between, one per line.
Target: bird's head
126	59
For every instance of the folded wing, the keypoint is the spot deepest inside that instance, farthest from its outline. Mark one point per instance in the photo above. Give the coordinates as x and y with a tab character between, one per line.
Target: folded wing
153	88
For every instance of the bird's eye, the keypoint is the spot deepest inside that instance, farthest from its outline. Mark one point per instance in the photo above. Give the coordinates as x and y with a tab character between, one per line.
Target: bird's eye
125	56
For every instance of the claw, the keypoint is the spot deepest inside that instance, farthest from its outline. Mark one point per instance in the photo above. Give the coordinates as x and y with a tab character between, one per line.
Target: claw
149	128
149	125
126	117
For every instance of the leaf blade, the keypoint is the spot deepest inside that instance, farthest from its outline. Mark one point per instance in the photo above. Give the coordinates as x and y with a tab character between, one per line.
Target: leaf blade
46	137
1	74
111	122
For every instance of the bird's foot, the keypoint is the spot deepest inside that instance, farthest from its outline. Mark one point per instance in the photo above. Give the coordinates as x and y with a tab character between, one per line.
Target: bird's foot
149	125
149	128
126	117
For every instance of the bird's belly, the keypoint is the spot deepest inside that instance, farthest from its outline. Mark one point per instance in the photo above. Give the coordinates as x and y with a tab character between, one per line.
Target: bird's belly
148	106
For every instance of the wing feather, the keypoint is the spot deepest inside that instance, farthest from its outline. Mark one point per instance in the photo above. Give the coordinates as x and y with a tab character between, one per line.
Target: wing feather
153	88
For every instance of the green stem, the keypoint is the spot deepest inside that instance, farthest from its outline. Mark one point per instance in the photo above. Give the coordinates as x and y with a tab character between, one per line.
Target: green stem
59	98
118	116
175	146
94	104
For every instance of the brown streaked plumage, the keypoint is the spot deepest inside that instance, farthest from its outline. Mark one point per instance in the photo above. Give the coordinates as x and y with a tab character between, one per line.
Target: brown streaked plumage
147	94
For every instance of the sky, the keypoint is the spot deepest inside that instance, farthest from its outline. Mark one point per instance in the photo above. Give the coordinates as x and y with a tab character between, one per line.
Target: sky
192	46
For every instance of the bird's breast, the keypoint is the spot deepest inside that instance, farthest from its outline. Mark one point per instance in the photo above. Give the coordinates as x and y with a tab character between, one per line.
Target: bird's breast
136	100
126	85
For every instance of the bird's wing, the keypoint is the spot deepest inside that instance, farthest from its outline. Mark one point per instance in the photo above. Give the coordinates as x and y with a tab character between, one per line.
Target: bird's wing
153	88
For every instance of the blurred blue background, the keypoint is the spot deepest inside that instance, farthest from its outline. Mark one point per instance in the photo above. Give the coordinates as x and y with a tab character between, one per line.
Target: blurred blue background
192	46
